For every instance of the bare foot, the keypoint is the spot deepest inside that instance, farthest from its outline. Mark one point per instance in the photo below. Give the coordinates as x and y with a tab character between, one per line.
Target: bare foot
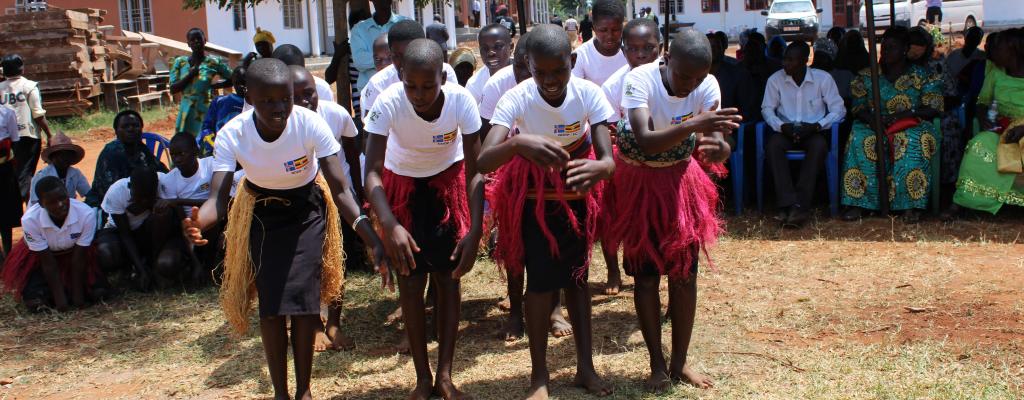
592	383
424	388
559	326
513	329
658	382
321	342
690	376
505	304
339	342
446	389
613	287
394	317
403	345
538	389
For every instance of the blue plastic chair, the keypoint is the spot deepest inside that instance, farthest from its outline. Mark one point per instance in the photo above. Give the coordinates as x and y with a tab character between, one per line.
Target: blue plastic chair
736	169
157	144
831	166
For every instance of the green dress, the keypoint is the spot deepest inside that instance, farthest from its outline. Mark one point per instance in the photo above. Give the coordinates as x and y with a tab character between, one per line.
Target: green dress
195	99
980	186
912	149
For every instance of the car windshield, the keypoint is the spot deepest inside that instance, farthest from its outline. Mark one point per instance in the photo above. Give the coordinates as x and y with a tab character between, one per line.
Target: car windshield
792	7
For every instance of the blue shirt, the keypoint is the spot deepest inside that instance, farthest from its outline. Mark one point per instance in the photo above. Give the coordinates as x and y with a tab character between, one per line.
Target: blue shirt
75	182
222	109
361	41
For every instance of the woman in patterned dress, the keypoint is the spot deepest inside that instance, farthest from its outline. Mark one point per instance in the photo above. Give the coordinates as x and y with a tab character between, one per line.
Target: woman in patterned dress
192	76
911	98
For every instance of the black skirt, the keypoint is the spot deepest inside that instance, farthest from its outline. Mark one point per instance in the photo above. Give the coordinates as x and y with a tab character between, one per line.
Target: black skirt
10	197
436	241
545	271
286	246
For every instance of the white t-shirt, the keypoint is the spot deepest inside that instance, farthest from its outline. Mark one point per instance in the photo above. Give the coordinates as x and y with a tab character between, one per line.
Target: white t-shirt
237	177
22	96
341	124
644	88
174	185
116	201
418	148
288	162
595	67
476	83
8	124
323	89
499	84
612	89
384	79
41	233
524	108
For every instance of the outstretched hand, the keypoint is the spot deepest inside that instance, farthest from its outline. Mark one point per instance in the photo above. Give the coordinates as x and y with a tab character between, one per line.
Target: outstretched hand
465	254
713	149
716	120
387	276
193	231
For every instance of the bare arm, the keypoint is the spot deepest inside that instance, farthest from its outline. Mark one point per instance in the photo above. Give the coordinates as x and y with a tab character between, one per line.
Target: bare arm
467	248
213	210
351	150
497	150
398	243
341	190
124	232
656	141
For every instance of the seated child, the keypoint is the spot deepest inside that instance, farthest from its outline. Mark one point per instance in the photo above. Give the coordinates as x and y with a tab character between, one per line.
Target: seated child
184	187
222	109
61	154
55	260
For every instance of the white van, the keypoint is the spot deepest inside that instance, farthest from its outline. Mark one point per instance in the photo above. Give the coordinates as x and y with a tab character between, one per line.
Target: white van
957	15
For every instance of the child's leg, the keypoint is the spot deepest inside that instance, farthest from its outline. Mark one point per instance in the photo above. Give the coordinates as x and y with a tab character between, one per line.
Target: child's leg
682	306
52	275
6	237
304	327
331	337
411	296
577	298
647	301
538	321
559	326
78	281
611	258
109	253
275	346
446	315
514	325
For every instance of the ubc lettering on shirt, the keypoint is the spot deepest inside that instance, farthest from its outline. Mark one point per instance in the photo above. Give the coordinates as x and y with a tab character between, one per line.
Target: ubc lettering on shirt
524	108
418	148
643	88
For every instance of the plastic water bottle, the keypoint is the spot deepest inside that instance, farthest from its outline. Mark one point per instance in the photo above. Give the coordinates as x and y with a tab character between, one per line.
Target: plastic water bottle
993	115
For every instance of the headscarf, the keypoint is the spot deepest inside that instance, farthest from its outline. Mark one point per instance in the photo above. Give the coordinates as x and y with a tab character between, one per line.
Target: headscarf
263	36
826	46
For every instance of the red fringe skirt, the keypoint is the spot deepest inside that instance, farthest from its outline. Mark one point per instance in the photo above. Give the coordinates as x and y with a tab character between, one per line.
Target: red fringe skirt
21	262
660	215
515	181
450	184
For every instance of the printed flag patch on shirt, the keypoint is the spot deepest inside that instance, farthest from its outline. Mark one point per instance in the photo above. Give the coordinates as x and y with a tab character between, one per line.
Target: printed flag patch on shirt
678	120
445	138
296	165
568	130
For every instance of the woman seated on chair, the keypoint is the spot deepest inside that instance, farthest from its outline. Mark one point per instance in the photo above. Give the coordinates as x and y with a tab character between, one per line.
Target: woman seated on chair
991	173
122	155
912	97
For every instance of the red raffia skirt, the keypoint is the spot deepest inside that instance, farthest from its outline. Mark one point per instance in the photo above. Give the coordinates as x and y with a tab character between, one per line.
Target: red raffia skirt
514	184
450	184
21	262
660	215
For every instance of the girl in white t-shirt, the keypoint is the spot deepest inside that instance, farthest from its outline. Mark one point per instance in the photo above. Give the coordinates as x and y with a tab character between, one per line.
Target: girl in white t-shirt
187	186
600	57
423	185
282	235
660	206
543	200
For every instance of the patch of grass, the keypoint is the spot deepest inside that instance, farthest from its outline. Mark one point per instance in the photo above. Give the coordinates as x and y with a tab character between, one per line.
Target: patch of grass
73	126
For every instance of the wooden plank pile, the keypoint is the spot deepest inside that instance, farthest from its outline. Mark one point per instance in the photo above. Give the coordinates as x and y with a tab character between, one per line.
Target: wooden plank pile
64	50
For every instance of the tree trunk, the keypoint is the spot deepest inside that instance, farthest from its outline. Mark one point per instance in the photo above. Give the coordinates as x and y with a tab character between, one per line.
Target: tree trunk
344	85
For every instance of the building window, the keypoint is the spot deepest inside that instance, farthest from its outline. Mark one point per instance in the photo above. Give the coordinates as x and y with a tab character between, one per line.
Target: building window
136	16
675	5
238	13
752	5
291	11
710	6
29	5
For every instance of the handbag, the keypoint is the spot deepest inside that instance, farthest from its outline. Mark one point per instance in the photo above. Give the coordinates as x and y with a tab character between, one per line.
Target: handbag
1009	157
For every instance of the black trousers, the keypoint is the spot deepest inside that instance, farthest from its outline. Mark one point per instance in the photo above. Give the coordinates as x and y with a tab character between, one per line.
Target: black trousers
933	15
26	158
816	148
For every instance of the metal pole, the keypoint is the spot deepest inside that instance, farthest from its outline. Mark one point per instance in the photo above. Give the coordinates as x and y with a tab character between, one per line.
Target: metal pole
892	12
881	148
522	17
666	38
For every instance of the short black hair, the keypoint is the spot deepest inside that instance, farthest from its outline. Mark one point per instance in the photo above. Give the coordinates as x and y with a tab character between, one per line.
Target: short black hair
898	33
522	48
723	38
637	23
12	64
126	113
800	45
424	53
290	54
691	45
184	137
49	184
608	9
195	31
499	29
549	40
405	30
975	31
266	70
144	181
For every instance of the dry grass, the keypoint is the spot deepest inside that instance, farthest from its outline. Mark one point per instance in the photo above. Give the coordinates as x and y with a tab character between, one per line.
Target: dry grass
813	314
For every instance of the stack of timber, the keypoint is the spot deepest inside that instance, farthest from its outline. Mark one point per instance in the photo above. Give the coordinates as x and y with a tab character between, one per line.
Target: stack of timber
64	50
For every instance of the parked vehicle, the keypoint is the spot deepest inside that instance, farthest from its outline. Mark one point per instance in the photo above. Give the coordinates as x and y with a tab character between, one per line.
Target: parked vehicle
792	19
957	15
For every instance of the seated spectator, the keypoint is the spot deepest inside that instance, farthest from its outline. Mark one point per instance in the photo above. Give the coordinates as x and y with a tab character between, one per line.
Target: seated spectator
121	156
800	105
757	65
55	260
61	155
776	48
222	109
853	55
922	50
960	58
187	186
912	97
723	39
991	174
139	239
734	81
835	35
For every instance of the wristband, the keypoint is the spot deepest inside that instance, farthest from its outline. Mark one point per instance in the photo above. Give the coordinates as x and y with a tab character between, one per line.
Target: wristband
361	218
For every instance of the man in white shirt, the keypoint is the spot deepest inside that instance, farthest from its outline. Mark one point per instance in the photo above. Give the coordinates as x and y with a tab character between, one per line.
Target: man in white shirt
22	95
600	57
495	48
800	105
291	55
57	235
